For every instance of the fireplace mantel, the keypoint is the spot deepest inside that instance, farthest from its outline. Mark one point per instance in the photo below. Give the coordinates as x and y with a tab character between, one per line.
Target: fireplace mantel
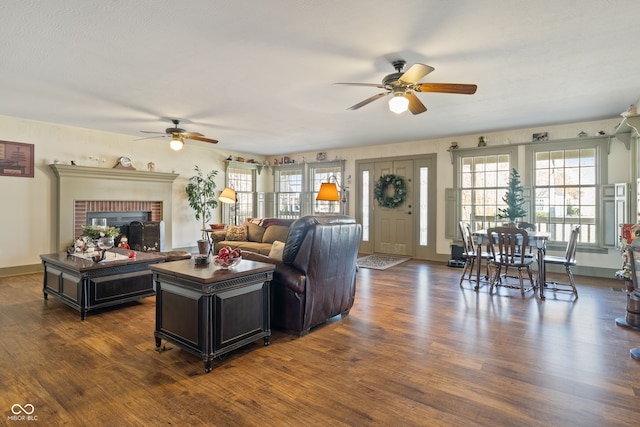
87	172
91	183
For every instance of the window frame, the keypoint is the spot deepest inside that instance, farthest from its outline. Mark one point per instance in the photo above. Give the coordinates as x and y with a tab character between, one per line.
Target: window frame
277	178
308	203
323	207
246	200
601	145
458	155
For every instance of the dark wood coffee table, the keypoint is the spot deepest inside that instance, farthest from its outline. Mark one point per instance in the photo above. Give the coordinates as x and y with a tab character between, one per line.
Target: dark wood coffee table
86	285
210	311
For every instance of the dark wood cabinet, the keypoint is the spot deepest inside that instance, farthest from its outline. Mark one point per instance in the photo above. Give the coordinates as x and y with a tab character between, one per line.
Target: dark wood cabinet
86	285
209	311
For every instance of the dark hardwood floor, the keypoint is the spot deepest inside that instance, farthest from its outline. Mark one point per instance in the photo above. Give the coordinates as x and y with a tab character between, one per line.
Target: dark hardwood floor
415	350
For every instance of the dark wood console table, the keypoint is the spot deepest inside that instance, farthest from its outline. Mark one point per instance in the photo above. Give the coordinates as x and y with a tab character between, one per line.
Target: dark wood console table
86	285
210	311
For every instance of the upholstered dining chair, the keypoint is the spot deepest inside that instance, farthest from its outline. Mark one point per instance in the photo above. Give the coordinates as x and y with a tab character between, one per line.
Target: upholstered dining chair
469	252
568	260
507	246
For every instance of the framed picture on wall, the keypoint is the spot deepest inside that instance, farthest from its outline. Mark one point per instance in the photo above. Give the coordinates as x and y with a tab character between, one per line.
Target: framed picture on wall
16	159
542	136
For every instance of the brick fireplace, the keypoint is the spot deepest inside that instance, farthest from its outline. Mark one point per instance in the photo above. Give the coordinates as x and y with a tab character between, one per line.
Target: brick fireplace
83	189
84	207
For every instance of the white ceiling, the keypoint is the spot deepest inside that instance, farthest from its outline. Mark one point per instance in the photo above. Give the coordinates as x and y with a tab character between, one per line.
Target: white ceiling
258	75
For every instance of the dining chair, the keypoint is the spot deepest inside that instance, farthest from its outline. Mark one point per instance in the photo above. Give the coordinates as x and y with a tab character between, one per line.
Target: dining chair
568	260
469	252
507	246
529	254
527	226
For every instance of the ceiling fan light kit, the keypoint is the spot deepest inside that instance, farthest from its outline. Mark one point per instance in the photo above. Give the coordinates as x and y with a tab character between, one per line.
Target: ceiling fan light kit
398	104
178	136
176	143
403	85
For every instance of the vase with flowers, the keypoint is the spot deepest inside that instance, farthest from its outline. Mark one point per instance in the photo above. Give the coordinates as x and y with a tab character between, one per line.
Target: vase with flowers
102	238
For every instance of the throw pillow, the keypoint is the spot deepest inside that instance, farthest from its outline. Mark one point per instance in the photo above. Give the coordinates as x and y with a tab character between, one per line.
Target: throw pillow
275	232
254	232
276	250
236	233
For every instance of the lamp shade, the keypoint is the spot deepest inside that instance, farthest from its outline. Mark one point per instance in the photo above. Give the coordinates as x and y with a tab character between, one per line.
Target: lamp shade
398	104
176	143
228	195
329	192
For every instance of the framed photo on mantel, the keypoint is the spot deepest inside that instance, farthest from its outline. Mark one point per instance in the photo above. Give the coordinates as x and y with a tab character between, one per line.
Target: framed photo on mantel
16	159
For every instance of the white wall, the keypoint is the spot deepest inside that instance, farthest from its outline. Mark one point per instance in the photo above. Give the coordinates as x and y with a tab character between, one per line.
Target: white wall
619	166
28	208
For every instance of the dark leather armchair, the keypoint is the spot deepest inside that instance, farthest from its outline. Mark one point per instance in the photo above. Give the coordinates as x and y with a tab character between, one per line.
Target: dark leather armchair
316	279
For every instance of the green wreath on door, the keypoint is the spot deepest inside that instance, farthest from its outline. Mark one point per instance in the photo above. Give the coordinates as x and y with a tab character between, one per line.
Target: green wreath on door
399	191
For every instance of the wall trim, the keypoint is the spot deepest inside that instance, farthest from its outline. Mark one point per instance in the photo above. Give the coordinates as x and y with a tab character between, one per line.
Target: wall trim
21	270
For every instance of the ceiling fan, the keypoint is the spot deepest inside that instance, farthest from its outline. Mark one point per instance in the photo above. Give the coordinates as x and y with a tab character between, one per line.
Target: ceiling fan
178	135
402	86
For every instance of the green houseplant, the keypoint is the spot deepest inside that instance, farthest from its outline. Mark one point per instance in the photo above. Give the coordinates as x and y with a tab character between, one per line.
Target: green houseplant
514	199
202	199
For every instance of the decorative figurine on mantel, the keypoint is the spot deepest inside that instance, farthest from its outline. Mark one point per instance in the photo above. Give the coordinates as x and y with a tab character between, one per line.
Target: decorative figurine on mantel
482	141
453	146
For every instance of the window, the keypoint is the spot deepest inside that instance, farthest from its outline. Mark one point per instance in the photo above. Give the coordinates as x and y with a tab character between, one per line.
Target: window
482	181
296	187
330	172
424	206
288	192
243	182
364	202
566	186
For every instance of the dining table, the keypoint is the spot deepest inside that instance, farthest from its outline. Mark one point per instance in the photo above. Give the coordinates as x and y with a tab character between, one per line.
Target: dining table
536	240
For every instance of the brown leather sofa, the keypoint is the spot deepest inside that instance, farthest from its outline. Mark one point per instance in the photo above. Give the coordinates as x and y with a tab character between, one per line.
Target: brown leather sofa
316	279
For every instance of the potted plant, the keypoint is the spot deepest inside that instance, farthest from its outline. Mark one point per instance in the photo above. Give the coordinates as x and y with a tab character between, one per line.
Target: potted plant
514	199
202	199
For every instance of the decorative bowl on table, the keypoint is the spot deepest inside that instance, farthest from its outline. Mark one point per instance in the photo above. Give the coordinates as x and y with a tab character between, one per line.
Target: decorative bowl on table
226	263
201	259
